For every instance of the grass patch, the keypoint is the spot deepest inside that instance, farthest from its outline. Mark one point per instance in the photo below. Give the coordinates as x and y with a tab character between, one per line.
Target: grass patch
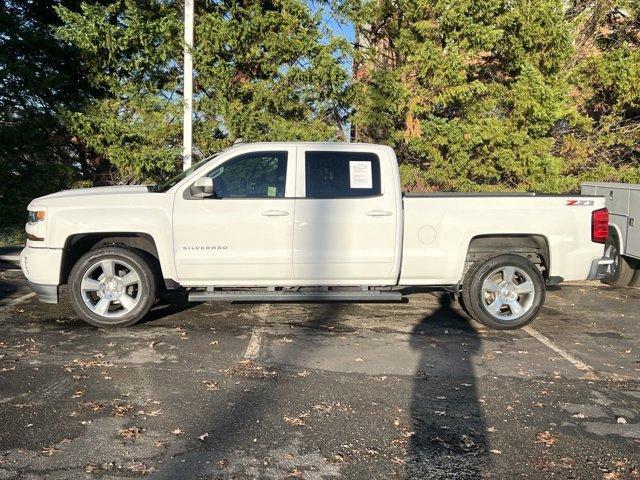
12	236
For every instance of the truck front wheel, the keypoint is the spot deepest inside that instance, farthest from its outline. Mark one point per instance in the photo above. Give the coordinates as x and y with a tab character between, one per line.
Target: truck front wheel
112	287
503	292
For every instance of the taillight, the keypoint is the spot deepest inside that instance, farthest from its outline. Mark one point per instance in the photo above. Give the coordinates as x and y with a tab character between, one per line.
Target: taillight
600	225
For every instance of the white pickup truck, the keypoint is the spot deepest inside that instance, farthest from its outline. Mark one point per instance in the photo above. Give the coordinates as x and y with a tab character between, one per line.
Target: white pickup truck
307	221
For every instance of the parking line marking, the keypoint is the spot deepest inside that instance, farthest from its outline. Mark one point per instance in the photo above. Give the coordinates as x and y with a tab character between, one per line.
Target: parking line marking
253	349
579	364
18	300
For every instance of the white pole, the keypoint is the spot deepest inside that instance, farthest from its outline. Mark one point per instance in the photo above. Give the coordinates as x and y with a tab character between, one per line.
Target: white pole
187	138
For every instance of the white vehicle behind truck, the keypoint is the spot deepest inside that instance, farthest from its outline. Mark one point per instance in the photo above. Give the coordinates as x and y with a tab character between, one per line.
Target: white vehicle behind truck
623	245
307	221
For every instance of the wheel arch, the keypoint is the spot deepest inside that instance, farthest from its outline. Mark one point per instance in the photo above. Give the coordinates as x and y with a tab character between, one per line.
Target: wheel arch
78	244
534	247
614	232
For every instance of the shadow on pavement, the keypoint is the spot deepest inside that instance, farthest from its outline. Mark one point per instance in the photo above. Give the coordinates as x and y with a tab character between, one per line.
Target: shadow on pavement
448	422
168	303
232	431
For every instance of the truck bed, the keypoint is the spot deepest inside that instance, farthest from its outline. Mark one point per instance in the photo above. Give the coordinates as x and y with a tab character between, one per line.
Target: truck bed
435	224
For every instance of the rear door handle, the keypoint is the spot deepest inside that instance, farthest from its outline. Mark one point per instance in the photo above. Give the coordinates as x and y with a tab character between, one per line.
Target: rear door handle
275	213
379	213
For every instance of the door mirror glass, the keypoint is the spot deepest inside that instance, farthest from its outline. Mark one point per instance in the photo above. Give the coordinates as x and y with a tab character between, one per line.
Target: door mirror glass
203	187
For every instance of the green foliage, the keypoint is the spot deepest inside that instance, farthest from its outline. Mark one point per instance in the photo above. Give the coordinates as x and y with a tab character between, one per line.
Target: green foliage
130	50
262	72
12	236
488	95
39	75
607	91
473	94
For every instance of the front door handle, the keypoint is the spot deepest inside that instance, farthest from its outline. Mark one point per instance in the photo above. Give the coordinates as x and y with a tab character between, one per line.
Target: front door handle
275	213
379	213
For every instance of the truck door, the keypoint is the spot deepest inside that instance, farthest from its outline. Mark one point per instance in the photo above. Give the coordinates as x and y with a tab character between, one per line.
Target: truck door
633	232
242	233
346	218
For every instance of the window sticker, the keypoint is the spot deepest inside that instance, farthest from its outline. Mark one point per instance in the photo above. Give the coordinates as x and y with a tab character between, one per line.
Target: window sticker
271	191
360	174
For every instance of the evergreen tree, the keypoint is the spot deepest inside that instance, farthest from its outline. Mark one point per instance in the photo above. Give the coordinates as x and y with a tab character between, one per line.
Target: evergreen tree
499	95
471	91
39	76
606	89
263	71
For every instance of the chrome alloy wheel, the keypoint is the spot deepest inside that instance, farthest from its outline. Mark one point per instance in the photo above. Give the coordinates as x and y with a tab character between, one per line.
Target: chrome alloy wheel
110	288
508	293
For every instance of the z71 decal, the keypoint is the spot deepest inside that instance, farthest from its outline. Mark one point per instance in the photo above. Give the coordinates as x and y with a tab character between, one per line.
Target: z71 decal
580	203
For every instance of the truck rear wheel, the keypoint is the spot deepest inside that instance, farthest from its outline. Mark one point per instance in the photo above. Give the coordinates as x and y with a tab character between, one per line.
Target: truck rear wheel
112	287
504	292
622	273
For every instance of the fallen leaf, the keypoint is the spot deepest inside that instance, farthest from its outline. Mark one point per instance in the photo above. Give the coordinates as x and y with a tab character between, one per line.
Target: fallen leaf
211	386
177	431
203	437
131	432
139	467
295	421
249	369
121	410
546	437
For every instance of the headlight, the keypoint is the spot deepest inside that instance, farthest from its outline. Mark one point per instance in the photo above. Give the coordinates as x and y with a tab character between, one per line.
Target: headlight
35	216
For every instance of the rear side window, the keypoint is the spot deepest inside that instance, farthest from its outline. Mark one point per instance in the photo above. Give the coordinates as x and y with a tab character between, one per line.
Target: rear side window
342	174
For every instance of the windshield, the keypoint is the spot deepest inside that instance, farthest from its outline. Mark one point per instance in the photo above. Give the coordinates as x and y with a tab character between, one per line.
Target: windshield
167	184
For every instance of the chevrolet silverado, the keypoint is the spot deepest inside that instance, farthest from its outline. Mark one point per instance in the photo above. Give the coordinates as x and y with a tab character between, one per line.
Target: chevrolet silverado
307	221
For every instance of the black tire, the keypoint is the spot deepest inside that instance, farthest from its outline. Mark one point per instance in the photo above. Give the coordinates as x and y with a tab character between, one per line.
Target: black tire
478	302
140	295
623	273
463	305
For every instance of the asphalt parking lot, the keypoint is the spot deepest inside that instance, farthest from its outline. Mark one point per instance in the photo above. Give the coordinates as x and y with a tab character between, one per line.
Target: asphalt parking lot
321	391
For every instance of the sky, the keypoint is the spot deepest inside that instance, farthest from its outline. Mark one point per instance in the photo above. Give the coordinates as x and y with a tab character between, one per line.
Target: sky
331	22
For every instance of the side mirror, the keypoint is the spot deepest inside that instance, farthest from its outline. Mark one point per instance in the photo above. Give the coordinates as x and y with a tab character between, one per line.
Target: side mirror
203	187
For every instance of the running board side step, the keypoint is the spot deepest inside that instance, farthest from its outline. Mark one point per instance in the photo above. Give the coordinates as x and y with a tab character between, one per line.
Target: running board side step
302	296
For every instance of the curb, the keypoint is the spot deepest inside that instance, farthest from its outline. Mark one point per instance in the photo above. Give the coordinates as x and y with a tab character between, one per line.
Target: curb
10	255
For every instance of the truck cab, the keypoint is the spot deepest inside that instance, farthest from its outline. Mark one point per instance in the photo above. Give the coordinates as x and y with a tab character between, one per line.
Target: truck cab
312	214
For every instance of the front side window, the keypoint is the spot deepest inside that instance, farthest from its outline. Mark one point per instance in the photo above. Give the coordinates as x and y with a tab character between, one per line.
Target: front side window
252	175
342	174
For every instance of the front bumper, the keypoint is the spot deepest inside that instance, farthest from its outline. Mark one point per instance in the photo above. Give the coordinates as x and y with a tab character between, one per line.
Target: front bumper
46	293
42	267
600	268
